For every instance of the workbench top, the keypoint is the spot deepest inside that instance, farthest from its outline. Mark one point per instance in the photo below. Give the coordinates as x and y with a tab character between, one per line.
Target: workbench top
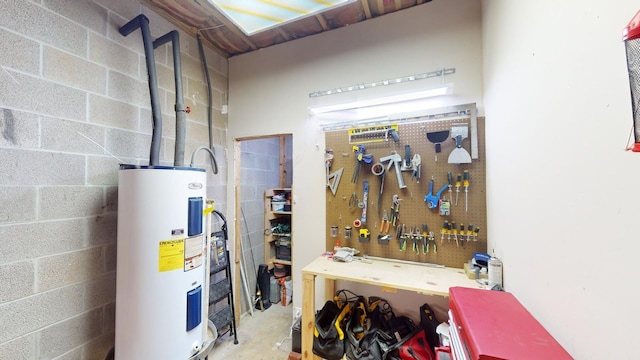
422	279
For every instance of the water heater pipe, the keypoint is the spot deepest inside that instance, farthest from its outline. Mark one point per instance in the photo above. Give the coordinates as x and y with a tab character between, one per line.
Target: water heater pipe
181	122
203	60
142	22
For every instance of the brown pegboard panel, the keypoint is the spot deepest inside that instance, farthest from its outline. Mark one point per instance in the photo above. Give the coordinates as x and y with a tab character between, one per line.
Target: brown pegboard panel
413	209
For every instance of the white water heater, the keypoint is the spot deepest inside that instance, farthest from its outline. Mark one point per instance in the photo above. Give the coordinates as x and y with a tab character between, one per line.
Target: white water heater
160	304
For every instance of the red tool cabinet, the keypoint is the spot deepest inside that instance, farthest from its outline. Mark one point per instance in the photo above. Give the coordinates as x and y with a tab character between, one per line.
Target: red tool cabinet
493	325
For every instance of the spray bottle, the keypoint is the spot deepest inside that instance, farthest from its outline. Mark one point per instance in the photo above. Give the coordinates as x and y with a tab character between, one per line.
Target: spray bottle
495	271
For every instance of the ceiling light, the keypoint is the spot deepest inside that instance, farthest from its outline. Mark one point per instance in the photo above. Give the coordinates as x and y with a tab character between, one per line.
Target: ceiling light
254	16
382	100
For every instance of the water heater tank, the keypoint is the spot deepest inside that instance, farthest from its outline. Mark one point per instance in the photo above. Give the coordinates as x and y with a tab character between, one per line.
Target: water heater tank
161	266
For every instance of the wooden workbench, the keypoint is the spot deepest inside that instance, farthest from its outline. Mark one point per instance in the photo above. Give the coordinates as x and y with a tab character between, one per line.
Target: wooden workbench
386	274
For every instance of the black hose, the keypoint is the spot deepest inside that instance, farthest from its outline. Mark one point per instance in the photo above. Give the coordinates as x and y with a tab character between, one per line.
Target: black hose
203	60
181	121
142	22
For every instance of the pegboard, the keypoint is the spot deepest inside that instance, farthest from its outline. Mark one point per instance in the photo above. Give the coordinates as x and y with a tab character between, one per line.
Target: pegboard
413	210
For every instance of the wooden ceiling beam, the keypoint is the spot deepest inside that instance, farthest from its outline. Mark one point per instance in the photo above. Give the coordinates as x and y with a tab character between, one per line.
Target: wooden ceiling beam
322	21
380	4
366	8
398	4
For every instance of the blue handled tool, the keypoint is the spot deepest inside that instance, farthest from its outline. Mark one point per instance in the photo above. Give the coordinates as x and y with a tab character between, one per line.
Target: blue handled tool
433	200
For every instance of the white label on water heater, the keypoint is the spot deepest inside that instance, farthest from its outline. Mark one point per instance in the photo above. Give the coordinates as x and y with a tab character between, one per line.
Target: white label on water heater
192	253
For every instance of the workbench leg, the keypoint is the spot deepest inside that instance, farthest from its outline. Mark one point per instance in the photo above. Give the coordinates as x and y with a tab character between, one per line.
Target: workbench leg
329	289
308	315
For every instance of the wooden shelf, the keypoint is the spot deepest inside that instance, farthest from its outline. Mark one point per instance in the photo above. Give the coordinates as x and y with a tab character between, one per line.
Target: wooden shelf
275	217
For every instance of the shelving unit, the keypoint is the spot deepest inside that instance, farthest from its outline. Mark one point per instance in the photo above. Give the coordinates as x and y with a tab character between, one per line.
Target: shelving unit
278	242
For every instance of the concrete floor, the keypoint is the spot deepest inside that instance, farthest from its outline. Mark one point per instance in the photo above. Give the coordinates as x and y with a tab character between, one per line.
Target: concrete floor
263	336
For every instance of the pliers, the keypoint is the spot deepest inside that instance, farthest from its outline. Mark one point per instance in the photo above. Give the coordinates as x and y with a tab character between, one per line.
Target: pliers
416	165
384	225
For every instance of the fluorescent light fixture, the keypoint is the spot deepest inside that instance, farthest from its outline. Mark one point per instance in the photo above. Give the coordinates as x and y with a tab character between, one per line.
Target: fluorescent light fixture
254	16
382	100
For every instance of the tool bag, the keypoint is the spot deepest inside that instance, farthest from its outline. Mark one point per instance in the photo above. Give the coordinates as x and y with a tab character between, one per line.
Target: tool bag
361	340
328	334
429	323
413	347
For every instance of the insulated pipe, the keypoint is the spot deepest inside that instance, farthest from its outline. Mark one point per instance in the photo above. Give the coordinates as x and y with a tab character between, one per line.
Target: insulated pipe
142	22
181	122
203	60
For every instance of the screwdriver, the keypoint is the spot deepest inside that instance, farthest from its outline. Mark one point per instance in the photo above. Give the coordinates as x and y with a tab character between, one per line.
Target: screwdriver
462	234
450	180
475	234
453	230
466	190
443	230
458	182
469	232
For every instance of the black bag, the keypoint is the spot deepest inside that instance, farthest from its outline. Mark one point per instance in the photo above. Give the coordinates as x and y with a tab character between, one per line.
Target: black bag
429	323
361	342
328	336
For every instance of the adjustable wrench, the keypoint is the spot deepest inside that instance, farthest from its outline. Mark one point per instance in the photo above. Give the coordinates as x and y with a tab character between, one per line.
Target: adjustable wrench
396	160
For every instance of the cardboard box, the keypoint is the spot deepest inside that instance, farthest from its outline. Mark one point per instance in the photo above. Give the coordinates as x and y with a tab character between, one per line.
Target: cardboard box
471	273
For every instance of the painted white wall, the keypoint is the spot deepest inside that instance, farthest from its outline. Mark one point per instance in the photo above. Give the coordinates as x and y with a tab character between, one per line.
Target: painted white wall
562	200
269	92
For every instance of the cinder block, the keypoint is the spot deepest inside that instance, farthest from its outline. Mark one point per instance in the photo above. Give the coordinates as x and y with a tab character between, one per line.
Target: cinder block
111	199
128	144
73	71
128	89
109	317
100	291
112	113
75	354
61	101
165	77
99	347
145	122
198	134
19	129
102	229
22	348
134	40
113	55
110	257
192	68
86	13
35	21
68	268
102	170
124	8
64	336
18	204
17	280
24	54
26	315
29	241
59	202
218	81
72	136
169	123
37	168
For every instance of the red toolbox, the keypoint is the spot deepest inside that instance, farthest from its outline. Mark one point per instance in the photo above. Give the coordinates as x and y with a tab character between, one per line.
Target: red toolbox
493	325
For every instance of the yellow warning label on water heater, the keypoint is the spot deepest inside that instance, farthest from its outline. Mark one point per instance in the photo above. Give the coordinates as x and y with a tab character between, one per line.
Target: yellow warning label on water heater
171	255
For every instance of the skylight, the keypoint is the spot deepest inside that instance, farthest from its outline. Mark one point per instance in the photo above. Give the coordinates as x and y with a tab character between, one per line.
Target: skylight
254	16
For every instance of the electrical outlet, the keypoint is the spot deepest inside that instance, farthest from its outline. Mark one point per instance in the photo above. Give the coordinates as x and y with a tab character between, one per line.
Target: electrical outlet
297	312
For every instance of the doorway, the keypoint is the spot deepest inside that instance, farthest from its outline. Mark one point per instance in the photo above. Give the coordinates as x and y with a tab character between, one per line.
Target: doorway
263	163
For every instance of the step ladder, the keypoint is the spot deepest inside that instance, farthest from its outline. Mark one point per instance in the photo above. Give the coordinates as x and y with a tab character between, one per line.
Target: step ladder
221	313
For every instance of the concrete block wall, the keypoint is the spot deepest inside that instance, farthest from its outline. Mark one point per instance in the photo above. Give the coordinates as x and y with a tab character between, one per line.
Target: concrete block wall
260	170
74	104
